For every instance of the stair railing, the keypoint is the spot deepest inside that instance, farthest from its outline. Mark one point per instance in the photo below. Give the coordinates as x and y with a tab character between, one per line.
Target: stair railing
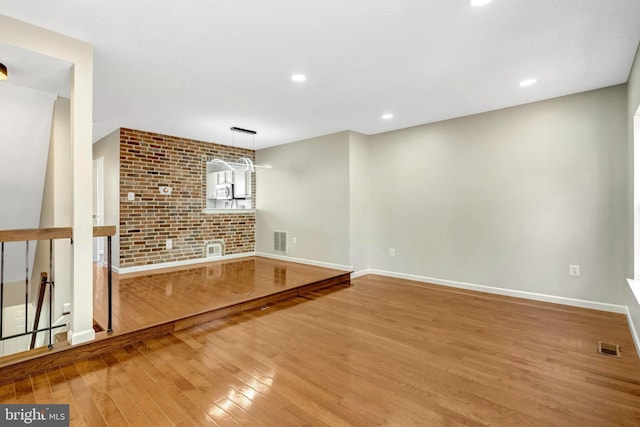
27	235
47	279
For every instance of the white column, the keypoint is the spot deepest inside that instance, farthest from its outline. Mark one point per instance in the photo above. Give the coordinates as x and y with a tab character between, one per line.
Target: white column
81	219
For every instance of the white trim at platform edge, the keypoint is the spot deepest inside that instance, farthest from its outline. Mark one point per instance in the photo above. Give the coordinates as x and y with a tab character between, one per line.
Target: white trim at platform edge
635	288
306	261
80	337
634	332
150	267
595	305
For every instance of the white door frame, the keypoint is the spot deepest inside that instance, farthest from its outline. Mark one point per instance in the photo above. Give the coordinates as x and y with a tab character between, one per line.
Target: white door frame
98	207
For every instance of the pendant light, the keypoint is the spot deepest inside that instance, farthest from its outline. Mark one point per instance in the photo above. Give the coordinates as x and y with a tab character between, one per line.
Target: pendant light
243	162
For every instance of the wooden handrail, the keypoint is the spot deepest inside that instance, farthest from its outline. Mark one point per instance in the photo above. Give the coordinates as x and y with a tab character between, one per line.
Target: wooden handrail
51	233
36	320
35	234
104	231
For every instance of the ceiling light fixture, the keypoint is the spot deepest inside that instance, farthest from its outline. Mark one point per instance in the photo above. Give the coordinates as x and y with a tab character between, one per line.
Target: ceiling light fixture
241	130
478	3
387	116
528	82
243	162
298	77
4	74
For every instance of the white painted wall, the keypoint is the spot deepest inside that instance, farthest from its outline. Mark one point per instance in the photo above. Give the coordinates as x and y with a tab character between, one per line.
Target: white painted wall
56	209
508	198
307	195
25	130
109	149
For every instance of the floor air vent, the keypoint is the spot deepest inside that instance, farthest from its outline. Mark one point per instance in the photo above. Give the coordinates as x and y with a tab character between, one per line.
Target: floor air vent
609	349
280	241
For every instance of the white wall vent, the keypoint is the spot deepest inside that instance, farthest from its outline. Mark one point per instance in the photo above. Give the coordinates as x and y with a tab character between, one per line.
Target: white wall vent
213	249
280	242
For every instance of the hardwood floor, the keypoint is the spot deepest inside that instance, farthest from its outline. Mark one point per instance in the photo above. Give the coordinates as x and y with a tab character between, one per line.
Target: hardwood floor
152	304
380	352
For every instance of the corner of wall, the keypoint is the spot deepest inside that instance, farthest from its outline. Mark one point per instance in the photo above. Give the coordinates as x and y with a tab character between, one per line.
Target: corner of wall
633	105
359	200
307	195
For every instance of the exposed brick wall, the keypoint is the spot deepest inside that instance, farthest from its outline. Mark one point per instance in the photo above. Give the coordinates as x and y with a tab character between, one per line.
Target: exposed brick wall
149	160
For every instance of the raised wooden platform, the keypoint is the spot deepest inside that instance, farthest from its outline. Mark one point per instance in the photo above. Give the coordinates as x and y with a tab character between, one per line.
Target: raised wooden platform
147	305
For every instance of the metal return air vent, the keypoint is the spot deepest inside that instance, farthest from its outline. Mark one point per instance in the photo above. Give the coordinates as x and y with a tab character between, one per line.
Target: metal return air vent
213	249
280	242
609	349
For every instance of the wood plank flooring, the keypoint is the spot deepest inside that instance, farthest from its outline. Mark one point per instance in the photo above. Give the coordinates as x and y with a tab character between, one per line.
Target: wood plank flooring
380	352
152	304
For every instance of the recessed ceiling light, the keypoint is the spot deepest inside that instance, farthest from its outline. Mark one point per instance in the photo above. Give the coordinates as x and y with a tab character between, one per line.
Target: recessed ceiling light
528	82
3	72
387	116
478	3
298	77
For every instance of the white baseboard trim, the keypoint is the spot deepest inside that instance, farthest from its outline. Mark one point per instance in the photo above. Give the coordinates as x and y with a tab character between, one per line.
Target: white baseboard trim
150	267
306	261
80	337
360	273
595	305
634	331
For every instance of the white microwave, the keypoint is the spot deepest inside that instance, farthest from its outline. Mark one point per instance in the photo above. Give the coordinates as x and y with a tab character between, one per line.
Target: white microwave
224	191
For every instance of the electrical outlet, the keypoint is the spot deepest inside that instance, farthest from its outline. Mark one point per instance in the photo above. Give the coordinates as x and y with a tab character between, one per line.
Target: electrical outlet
294	240
169	244
392	252
131	196
574	270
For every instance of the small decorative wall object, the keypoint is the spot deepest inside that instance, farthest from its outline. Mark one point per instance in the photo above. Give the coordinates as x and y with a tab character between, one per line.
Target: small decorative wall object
165	190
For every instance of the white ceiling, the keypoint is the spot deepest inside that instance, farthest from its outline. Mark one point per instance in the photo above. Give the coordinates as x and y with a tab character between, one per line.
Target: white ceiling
36	71
195	68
